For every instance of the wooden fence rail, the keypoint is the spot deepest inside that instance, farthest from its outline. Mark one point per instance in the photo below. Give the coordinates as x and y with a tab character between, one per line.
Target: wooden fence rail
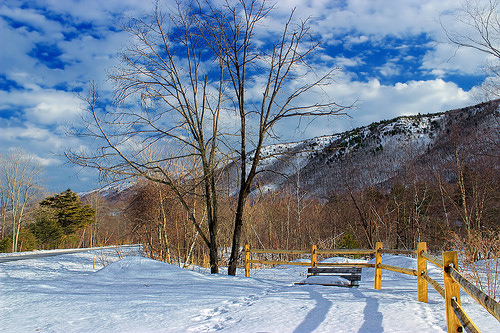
397	269
456	318
348	264
434	284
435	260
347	251
278	262
463	318
486	301
396	251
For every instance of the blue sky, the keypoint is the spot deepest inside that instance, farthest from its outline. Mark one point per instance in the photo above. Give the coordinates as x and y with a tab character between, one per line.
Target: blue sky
394	57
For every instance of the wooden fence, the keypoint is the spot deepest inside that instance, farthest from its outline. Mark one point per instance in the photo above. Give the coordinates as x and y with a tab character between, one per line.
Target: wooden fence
456	318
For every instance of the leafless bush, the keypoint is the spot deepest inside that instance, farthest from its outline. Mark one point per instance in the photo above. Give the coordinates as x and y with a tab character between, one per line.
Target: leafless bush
480	254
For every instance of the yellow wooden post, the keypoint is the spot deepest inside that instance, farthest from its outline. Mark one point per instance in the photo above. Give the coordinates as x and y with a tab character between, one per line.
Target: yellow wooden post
314	256
247	260
378	261
451	290
421	269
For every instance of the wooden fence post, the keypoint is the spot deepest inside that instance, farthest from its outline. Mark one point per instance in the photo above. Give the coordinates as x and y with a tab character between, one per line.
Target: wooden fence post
314	256
451	290
378	261
247	259
421	269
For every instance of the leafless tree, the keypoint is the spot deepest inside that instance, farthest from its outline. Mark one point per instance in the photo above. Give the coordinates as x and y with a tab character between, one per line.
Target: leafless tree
285	70
480	26
3	205
20	182
191	70
477	26
97	202
181	100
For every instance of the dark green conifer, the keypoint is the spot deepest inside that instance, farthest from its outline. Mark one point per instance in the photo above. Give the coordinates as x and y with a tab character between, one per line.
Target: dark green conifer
47	231
68	211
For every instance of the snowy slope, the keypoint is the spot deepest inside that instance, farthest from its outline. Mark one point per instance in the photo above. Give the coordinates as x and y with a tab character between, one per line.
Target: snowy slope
372	154
136	294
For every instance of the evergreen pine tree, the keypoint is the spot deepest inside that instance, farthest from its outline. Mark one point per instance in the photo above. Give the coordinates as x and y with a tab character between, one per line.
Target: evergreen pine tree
47	231
68	211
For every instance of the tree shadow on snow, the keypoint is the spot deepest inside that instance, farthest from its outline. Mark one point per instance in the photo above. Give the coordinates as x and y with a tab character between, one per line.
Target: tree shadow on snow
372	320
317	315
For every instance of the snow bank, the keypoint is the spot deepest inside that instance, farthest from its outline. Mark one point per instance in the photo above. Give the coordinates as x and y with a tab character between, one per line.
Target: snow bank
141	267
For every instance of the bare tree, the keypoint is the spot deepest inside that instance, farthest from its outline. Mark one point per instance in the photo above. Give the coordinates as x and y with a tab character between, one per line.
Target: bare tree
20	183
285	70
3	204
181	100
96	201
477	26
188	70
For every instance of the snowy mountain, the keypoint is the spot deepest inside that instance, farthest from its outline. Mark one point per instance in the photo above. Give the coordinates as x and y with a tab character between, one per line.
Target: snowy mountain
373	155
113	190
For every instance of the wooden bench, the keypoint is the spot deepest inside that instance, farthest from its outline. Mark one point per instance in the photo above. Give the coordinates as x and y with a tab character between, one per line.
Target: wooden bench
353	274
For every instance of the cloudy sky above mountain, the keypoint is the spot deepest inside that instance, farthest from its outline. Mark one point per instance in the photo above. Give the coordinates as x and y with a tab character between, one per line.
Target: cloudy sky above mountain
393	55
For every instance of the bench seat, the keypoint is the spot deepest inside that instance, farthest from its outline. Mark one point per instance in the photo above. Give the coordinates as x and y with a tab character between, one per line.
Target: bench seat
334	276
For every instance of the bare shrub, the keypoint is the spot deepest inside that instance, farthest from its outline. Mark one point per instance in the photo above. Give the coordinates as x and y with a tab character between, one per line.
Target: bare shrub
480	254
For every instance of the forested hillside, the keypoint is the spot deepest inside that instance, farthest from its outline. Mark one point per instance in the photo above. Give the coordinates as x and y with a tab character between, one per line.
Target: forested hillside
381	153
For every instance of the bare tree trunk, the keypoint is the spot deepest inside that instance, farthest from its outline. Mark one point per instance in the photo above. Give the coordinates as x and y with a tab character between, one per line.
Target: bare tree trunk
20	177
238	224
164	240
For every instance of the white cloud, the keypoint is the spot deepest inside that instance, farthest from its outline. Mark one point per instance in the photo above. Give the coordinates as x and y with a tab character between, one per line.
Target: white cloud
34	138
413	97
15	133
373	20
389	69
445	58
344	62
371	17
376	102
46	162
33	19
43	106
85	55
356	39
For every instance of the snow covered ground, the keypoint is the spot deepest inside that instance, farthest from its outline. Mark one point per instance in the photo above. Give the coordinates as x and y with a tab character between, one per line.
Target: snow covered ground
67	294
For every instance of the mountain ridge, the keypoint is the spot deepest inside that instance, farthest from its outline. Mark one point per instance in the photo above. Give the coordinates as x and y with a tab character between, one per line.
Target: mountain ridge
374	154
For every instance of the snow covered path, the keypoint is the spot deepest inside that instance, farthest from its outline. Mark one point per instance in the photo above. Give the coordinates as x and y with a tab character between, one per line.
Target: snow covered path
135	294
